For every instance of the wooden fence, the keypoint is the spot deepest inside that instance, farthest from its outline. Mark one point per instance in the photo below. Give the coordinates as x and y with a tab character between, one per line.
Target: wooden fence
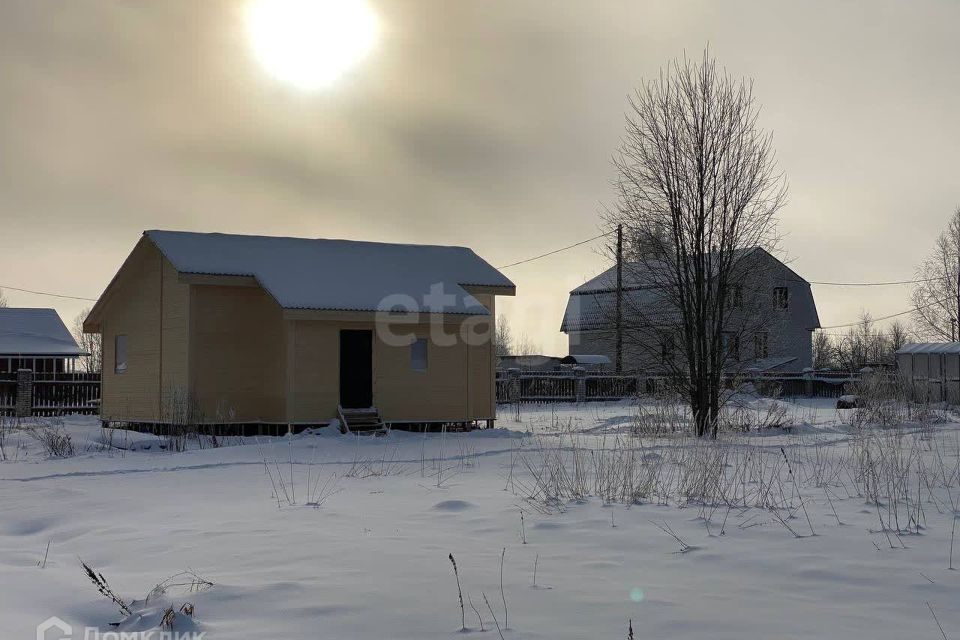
8	393
535	386
53	394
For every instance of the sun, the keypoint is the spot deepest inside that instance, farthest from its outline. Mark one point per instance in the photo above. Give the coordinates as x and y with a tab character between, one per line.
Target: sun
310	43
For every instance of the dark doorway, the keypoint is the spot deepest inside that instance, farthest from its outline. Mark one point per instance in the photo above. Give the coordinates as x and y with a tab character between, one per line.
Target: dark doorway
356	368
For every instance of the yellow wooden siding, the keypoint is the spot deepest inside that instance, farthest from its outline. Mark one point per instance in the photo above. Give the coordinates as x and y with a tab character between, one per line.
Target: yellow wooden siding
315	384
457	385
175	301
483	400
134	310
237	354
440	393
226	349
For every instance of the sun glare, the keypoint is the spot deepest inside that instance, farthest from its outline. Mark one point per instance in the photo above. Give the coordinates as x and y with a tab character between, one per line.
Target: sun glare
310	43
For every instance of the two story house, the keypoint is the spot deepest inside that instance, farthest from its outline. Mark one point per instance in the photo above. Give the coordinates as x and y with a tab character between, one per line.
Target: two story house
775	316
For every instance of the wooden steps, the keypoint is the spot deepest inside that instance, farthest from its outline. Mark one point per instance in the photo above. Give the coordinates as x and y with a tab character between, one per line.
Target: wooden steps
363	421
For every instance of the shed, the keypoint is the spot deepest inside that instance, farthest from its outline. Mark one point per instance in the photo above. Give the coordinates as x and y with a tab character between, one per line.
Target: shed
932	369
36	339
250	330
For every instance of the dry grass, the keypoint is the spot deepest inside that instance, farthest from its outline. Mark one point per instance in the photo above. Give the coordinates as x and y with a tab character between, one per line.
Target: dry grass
901	472
54	439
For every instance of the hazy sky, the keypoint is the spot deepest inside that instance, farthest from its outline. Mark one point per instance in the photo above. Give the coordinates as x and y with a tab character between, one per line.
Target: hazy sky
481	123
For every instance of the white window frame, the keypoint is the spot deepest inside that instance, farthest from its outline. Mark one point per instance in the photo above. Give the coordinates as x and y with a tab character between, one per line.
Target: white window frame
781	302
420	355
761	345
120	365
730	343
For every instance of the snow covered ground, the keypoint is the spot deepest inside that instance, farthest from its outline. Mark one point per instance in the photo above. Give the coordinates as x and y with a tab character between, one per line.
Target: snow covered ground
369	559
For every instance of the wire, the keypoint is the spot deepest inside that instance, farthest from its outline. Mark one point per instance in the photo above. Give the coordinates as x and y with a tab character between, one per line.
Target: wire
583	242
46	293
550	253
816	282
871	284
893	315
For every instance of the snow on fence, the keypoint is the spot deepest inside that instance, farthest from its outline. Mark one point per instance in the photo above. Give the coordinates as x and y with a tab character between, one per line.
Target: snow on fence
50	393
573	386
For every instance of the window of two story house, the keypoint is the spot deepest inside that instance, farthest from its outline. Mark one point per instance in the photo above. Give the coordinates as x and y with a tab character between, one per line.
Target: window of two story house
731	344
781	298
736	299
666	349
761	345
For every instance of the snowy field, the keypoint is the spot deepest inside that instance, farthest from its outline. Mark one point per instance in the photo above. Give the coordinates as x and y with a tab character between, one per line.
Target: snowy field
842	534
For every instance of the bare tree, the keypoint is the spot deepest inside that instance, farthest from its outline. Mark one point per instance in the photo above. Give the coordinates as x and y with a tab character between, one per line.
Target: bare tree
502	338
525	346
861	346
698	191
898	335
505	344
824	352
866	345
92	343
936	297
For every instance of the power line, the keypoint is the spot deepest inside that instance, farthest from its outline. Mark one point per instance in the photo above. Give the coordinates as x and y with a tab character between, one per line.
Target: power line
892	315
574	245
871	284
47	293
816	282
550	253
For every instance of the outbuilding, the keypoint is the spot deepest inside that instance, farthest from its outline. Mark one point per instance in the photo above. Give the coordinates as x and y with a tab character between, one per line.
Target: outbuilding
932	369
256	330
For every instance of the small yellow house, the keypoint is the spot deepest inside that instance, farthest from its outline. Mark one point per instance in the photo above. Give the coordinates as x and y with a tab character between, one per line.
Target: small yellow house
254	330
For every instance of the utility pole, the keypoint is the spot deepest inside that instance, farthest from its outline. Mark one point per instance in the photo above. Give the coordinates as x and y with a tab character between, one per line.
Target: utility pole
619	364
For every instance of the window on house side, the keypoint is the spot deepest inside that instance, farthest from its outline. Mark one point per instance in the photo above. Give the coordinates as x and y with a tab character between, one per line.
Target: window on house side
761	345
781	298
120	354
731	345
737	296
666	349
418	354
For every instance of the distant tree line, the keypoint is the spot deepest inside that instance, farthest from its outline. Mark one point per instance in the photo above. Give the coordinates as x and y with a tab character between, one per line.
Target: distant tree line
92	343
506	344
863	345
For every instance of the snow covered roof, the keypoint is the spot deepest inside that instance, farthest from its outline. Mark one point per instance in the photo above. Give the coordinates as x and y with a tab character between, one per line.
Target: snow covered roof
35	332
591	305
344	275
930	347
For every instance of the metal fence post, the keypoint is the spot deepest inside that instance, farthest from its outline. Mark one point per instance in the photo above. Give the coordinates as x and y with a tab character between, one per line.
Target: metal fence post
581	383
513	384
24	406
808	382
513	391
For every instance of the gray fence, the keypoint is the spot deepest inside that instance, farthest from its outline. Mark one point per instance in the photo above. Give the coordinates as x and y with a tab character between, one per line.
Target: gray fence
25	393
574	386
